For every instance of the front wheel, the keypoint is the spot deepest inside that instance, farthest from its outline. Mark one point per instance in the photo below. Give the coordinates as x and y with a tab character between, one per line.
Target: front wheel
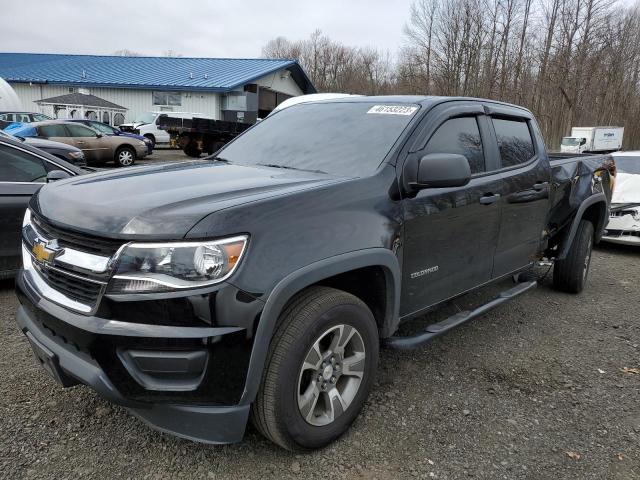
570	274
125	157
321	365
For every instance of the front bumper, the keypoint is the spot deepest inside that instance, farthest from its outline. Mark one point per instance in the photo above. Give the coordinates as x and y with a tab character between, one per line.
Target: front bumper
142	151
151	370
623	228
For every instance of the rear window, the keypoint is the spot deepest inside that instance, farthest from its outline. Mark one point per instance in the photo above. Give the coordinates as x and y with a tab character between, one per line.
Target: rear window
514	141
53	130
342	139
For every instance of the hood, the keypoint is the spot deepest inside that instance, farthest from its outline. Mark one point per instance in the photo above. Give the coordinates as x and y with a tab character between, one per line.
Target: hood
132	124
41	142
163	201
626	189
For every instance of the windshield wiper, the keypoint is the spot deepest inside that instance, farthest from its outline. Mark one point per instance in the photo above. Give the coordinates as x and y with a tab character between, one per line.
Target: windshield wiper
273	165
218	159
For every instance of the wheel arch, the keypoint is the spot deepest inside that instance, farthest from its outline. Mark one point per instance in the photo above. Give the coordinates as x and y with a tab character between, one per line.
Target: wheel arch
323	272
595	209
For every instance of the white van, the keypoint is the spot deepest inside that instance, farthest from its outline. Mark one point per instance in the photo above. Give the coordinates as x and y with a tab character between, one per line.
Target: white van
147	125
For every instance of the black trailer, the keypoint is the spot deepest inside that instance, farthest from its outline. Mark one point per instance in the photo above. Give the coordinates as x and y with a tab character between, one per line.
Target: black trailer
200	135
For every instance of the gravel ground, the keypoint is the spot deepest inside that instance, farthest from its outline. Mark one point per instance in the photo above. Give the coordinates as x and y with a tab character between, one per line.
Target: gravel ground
535	389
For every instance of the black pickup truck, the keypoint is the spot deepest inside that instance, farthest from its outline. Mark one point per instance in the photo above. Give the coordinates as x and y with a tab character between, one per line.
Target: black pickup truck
261	281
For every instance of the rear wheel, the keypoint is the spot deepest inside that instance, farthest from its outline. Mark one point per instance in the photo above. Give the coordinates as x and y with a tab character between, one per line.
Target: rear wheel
125	157
320	368
570	274
191	149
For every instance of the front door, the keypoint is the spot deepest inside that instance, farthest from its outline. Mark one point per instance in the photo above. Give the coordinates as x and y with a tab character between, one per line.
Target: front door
21	175
451	233
96	148
525	204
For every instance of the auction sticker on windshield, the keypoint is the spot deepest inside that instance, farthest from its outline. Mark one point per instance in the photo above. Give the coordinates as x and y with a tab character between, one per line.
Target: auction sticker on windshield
393	109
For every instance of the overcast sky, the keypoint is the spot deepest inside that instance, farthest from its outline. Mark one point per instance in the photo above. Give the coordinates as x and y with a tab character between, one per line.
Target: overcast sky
195	28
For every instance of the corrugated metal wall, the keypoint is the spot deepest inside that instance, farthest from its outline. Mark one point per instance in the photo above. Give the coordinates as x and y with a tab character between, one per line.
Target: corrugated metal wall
140	101
137	101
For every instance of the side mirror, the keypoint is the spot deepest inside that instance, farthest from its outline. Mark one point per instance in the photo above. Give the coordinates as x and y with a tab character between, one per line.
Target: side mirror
54	175
98	135
440	170
583	141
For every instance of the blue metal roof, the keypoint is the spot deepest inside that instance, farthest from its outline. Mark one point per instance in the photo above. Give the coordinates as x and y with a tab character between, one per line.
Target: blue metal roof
169	73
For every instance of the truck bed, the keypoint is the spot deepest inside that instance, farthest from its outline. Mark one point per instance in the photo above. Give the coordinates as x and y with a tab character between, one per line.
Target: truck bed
572	181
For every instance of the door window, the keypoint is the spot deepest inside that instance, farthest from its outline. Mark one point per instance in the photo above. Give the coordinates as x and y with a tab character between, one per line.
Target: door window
22	118
81	131
53	130
514	141
460	136
19	166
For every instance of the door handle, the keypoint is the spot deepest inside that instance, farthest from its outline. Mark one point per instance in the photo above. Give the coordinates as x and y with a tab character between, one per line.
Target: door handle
80	142
489	198
540	186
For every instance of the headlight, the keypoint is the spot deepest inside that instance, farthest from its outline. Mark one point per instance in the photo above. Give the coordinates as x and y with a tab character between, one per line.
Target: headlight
161	267
27	218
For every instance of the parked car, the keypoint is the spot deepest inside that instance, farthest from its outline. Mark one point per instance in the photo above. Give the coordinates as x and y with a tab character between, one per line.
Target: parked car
262	279
624	220
97	148
7	118
23	170
63	151
147	125
109	130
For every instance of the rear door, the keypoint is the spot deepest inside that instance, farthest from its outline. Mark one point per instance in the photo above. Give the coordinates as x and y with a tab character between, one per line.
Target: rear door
451	233
525	171
21	175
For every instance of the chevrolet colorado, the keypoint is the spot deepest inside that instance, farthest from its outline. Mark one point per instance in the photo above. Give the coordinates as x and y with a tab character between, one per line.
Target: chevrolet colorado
261	281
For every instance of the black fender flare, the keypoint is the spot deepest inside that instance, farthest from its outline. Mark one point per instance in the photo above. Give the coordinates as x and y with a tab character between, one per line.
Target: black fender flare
306	276
588	202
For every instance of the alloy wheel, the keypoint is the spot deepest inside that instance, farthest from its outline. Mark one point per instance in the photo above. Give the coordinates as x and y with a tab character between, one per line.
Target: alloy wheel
331	375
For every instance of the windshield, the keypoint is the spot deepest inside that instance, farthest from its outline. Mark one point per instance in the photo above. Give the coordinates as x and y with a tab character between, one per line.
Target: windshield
343	139
627	164
147	117
571	141
39	117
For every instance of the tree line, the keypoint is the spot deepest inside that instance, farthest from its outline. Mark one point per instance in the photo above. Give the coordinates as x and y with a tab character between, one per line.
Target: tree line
571	62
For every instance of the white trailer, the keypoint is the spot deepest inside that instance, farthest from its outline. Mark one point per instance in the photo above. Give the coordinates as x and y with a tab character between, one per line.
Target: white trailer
593	139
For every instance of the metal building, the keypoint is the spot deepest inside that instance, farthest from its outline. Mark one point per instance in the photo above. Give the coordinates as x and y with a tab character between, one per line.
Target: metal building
222	88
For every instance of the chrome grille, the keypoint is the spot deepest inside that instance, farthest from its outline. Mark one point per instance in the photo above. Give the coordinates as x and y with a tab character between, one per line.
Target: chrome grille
73	286
69	268
77	241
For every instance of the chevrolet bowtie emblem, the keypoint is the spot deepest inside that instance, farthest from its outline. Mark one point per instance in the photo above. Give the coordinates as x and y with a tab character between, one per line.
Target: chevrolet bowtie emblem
42	252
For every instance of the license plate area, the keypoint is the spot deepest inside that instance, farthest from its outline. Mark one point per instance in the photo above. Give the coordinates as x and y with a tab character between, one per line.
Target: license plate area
49	361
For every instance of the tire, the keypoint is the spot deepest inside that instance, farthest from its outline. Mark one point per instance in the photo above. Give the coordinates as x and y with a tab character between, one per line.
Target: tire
125	157
570	275
280	411
192	150
152	138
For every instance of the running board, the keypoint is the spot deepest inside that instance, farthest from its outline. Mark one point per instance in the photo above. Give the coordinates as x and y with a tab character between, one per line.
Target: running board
437	329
